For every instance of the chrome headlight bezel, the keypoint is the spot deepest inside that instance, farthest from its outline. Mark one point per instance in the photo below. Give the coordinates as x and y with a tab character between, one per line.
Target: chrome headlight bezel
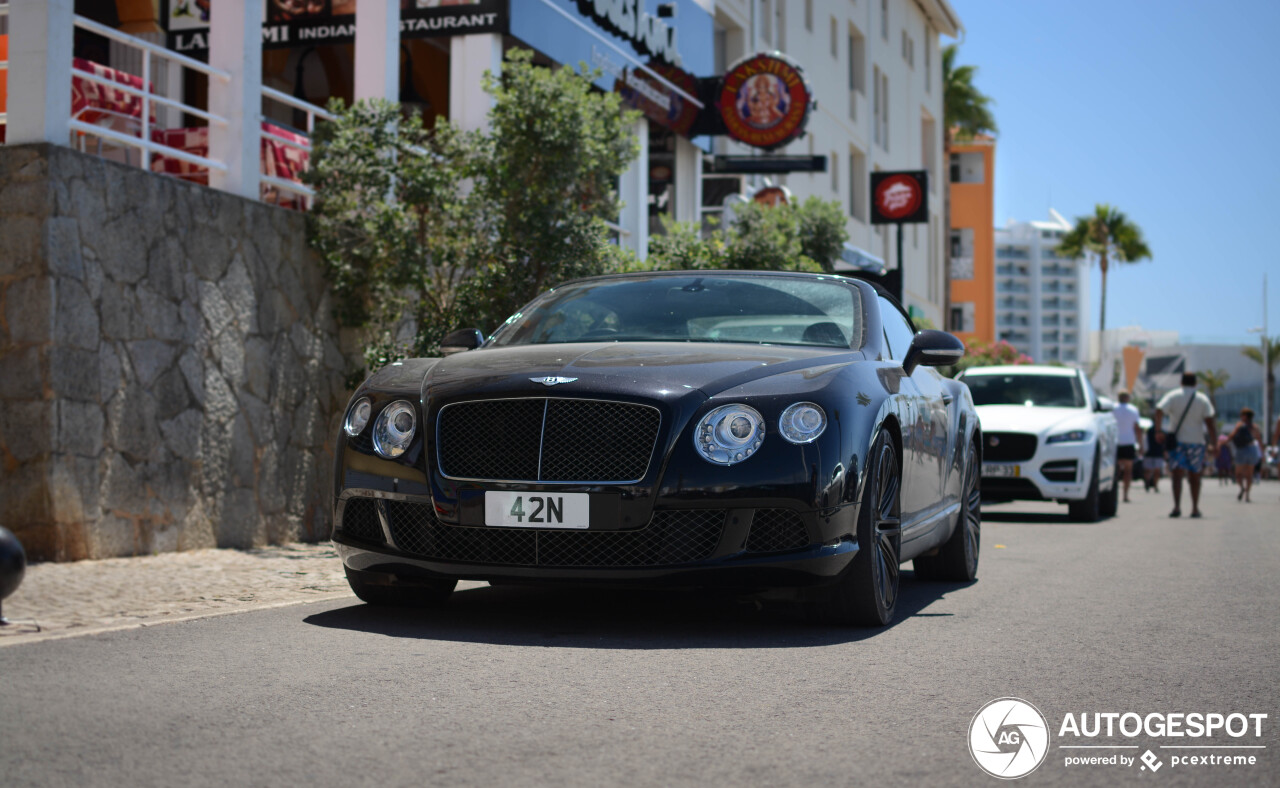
717	437
1070	436
357	417
792	423
391	438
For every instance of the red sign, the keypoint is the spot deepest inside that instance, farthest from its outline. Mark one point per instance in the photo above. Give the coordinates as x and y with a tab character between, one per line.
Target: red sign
899	197
765	101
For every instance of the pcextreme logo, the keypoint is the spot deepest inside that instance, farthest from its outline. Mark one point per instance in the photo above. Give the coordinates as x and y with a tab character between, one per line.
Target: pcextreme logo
1009	738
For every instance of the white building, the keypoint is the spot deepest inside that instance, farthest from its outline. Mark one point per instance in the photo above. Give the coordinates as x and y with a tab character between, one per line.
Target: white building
875	67
1042	299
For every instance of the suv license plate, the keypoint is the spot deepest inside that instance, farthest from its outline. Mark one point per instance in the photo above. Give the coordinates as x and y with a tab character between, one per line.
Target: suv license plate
994	469
537	510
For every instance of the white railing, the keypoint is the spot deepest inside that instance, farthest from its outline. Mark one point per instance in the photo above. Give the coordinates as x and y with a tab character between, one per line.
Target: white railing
143	142
4	64
312	112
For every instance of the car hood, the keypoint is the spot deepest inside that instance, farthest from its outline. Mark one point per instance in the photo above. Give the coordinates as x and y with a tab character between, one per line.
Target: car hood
657	370
1023	418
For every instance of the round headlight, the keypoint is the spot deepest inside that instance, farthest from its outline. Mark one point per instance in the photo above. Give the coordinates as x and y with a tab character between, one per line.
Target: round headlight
358	416
803	422
394	429
729	434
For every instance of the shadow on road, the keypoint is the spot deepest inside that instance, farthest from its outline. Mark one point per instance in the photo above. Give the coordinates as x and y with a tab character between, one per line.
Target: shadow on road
1031	518
595	618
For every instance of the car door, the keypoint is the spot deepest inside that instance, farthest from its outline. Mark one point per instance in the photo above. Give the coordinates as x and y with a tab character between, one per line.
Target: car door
924	438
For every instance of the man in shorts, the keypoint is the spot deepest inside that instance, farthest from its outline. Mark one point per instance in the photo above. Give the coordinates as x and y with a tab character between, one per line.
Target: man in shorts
1188	414
1128	439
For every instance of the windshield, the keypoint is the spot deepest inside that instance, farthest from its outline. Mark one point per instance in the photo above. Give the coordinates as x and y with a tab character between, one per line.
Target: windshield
773	310
1047	391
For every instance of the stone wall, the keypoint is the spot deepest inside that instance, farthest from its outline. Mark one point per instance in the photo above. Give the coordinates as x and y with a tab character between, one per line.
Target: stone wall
169	372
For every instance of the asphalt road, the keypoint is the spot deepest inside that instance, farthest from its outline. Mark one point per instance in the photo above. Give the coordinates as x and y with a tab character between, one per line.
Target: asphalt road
532	687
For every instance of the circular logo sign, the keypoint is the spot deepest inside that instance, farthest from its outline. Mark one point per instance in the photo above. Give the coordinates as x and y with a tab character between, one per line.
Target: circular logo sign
898	196
764	101
1008	738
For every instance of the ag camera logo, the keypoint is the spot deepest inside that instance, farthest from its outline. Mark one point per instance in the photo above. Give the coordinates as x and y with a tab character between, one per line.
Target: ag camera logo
1009	738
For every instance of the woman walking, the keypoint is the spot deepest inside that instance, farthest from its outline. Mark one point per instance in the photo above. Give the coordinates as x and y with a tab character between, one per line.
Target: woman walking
1245	440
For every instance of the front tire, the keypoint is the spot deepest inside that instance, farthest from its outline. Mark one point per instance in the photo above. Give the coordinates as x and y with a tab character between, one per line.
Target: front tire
1088	510
867	593
957	560
421	594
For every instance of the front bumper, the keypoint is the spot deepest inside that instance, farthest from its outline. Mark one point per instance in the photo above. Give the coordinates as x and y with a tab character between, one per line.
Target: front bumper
1059	472
732	548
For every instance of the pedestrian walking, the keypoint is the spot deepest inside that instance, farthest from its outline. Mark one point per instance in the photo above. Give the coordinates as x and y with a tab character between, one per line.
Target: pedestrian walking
1128	439
1153	459
1246	440
1223	462
1191	418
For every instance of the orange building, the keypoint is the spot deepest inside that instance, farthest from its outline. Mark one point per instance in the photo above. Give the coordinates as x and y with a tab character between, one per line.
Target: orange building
973	189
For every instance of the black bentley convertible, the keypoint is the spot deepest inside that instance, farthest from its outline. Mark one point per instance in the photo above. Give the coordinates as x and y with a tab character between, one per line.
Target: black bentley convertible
741	429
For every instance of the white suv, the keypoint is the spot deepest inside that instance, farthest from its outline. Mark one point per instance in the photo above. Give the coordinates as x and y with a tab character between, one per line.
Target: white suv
1046	435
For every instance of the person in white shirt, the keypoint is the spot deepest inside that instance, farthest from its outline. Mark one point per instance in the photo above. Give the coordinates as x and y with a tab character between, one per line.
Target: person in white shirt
1128	439
1190	418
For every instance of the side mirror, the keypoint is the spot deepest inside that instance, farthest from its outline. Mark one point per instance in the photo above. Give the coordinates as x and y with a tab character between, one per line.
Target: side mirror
932	348
1105	405
460	340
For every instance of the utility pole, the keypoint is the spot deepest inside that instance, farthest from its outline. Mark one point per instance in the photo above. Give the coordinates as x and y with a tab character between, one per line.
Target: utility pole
1266	370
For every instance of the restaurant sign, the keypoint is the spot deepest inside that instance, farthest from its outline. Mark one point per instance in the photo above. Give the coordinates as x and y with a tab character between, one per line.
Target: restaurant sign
900	197
765	101
291	23
648	34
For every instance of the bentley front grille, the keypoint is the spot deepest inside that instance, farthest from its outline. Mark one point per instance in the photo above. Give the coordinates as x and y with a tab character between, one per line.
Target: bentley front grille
671	538
1008	446
547	440
776	530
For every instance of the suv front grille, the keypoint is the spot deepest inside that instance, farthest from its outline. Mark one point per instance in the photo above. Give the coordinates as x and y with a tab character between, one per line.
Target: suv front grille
547	440
360	520
1008	446
673	537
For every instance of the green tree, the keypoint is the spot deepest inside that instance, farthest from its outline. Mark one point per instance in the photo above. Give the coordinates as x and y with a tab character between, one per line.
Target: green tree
804	237
426	230
981	353
1214	380
1108	236
1254	354
966	111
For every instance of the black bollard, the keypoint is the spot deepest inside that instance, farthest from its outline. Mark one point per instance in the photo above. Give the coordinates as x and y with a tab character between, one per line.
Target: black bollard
13	565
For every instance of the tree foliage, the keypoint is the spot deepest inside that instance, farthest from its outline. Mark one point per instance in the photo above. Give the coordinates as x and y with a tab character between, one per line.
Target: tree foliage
789	237
981	353
1106	235
1213	380
426	230
965	109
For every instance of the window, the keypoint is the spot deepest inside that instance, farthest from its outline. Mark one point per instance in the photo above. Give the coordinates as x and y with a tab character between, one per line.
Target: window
929	143
908	49
858	185
897	329
780	24
808	15
876	101
766	21
884	19
967	168
962	253
857	70
835	45
835	172
884	110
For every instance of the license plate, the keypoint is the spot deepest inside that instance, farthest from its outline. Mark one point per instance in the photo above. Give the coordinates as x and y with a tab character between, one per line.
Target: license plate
996	469
537	510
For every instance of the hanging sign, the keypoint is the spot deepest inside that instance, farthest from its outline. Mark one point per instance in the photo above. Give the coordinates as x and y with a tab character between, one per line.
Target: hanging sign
765	101
899	197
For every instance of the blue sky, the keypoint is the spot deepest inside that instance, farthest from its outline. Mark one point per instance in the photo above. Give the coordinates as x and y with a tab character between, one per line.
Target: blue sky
1169	111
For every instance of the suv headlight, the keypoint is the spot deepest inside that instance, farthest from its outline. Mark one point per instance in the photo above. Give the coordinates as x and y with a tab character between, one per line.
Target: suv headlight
394	429
802	422
1074	436
729	434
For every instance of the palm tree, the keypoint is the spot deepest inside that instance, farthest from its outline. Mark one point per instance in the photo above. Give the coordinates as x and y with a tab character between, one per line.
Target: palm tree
1109	236
1214	381
965	109
966	112
1273	357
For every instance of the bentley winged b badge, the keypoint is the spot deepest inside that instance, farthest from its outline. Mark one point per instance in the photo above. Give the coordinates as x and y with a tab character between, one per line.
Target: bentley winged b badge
552	380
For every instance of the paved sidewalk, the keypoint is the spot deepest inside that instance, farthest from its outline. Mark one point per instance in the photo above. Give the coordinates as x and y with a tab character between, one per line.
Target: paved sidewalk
84	597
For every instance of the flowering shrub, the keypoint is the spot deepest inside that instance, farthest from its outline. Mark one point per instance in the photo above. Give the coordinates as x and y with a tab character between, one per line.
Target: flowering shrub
981	353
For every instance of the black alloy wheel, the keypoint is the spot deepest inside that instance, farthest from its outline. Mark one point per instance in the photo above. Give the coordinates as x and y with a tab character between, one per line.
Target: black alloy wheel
957	559
867	594
1088	510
